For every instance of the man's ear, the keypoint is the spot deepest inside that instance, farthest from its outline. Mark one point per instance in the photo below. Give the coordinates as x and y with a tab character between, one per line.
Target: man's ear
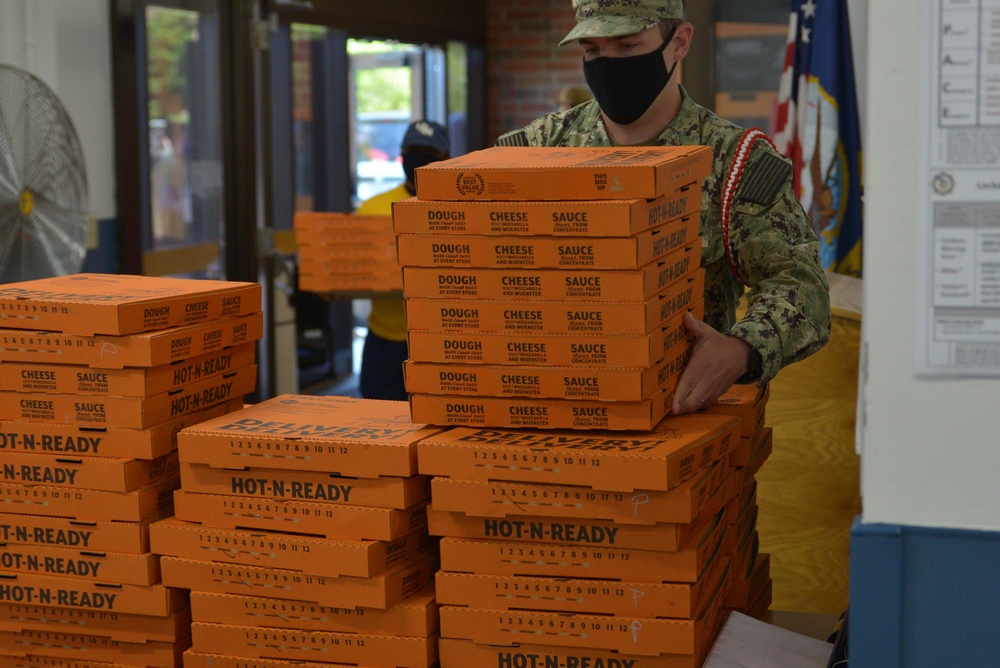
681	43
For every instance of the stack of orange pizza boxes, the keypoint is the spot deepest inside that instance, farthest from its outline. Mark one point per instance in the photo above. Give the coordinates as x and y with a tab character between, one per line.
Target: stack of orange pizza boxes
750	581
546	290
345	252
97	374
301	530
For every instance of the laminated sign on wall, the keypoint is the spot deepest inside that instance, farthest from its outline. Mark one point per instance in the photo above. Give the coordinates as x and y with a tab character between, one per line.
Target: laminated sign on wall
958	268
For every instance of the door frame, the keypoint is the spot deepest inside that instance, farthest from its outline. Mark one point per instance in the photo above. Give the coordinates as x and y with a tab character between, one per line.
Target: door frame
244	152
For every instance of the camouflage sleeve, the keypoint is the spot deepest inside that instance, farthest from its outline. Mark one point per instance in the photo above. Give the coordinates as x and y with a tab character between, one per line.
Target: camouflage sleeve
579	126
530	135
788	304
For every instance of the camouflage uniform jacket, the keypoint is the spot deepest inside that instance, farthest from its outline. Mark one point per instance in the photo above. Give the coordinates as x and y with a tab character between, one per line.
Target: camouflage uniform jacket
788	305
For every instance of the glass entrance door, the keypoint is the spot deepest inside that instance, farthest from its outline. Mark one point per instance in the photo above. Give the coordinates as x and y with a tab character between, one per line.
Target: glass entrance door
390	85
183	233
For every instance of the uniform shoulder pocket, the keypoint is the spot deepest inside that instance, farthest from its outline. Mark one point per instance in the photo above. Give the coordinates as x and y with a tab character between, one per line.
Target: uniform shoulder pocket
515	138
763	180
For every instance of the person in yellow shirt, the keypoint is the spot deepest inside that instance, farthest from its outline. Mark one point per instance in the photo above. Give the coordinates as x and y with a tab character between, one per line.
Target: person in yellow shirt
385	346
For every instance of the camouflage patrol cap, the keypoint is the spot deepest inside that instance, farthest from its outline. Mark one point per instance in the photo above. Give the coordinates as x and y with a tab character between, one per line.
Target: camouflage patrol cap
617	18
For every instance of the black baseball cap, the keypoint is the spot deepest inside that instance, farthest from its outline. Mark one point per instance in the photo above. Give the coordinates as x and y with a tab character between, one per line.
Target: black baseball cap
429	134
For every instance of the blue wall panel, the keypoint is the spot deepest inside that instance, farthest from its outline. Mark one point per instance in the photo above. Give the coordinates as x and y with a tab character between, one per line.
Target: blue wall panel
924	597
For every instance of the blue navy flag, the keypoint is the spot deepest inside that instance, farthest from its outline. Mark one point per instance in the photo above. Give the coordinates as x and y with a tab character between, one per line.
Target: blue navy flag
819	129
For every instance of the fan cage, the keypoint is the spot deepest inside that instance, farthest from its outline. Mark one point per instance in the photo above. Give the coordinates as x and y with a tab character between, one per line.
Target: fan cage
43	185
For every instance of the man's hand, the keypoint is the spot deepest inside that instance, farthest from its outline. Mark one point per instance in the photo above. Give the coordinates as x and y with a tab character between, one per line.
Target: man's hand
717	361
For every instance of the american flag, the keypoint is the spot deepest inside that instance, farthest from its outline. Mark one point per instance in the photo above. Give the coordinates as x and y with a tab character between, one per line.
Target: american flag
818	127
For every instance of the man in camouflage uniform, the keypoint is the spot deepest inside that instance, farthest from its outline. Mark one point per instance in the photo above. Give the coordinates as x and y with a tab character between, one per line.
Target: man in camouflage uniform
631	49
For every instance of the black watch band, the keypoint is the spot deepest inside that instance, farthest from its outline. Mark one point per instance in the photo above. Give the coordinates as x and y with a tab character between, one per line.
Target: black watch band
755	368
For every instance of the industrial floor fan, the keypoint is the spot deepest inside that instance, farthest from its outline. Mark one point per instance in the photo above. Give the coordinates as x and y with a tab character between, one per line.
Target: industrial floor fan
43	185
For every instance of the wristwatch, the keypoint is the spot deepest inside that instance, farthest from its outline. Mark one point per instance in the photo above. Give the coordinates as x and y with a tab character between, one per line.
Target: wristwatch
755	368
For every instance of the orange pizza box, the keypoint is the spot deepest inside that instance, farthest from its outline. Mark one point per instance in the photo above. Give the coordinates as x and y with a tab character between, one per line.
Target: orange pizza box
501	412
306	485
362	438
526	174
512	252
113	442
506	499
557	317
745	475
557	531
335	223
635	634
744	555
295	646
360	282
194	659
320	262
127	537
319	519
91	473
743	501
742	591
415	616
466	653
606	597
119	567
128	412
740	456
595	218
126	628
135	382
328	227
551	349
90	505
644	637
87	304
747	402
380	591
323	248
617	462
117	352
96	648
602	383
31	661
347	241
746	524
551	284
746	520
317	556
760	455
744	496
320	244
327	257
739	545
493	557
63	592
320	248
759	607
356	284
321	255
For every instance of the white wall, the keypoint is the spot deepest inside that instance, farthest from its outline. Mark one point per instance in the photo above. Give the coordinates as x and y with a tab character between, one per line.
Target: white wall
930	447
67	44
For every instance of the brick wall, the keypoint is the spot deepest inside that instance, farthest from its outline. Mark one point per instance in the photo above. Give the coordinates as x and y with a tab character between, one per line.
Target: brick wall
526	67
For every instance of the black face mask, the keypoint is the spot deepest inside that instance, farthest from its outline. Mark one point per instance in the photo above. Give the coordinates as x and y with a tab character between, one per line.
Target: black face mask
411	161
626	87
